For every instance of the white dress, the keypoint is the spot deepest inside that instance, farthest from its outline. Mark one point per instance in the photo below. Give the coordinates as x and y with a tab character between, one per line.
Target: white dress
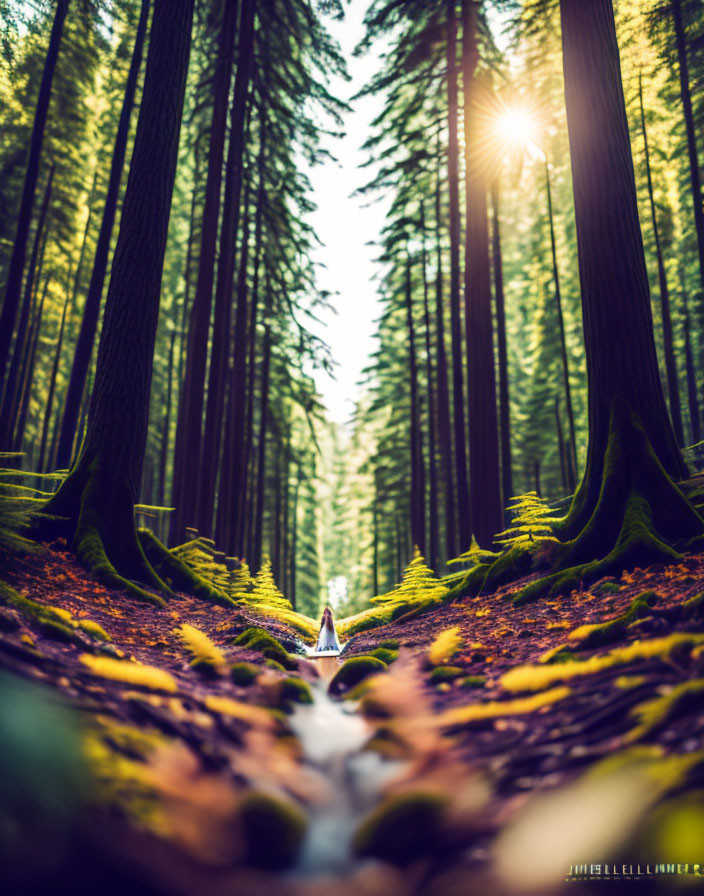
327	640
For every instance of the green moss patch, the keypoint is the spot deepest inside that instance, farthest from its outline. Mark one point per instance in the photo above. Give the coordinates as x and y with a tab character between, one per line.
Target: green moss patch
243	674
289	691
354	671
470	682
655	713
608	632
536	677
402	829
272	830
445	673
260	640
385	655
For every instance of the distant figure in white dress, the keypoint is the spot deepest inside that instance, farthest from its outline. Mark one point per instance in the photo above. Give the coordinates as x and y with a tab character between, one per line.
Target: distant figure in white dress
327	637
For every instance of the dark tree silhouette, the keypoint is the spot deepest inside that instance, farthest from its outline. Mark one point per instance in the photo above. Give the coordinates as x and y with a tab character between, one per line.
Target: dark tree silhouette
91	309
97	499
673	387
212	432
464	529
13	286
190	416
485	483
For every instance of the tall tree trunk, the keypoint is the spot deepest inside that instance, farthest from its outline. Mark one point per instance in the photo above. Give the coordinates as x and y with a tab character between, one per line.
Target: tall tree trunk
484	475
433	493
20	418
13	286
626	495
247	495
52	387
464	532
571	454
261	439
673	386
686	94
98	496
11	394
692	398
416	433
238	391
190	419
375	530
294	538
504	403
84	242
444	424
226	266
91	309
166	426
561	445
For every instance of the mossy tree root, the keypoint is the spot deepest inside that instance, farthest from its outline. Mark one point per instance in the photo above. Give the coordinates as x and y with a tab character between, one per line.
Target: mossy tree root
94	511
641	517
177	574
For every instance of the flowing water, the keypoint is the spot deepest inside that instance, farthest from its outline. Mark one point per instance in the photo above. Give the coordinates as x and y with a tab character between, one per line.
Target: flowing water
332	735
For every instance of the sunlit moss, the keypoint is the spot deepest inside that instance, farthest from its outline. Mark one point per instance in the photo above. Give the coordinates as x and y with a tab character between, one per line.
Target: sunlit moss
130	672
207	657
445	646
464	715
607	632
536	677
655	713
94	629
236	709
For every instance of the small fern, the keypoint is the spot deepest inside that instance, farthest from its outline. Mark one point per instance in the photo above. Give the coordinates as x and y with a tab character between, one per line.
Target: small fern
532	522
200	646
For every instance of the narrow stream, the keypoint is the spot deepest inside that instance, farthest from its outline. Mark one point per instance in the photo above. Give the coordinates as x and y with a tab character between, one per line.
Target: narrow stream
332	734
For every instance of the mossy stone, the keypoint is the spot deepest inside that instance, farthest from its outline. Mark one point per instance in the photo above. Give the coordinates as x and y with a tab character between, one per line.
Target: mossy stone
205	667
256	638
472	681
354	671
292	690
390	644
385	655
402	829
445	673
243	674
272	829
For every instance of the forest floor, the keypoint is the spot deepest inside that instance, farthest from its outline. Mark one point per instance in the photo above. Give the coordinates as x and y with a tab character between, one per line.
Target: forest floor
612	725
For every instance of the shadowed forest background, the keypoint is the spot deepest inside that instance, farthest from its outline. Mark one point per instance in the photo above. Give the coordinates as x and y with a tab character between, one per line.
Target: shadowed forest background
508	526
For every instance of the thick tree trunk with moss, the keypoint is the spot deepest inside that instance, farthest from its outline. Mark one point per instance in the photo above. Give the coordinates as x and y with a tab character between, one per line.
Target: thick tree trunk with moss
626	401
484	478
98	497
